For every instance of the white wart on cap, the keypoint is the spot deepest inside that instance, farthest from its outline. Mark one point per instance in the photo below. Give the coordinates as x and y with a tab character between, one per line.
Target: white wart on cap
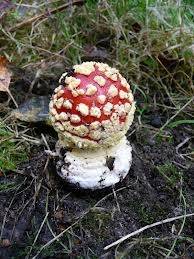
92	94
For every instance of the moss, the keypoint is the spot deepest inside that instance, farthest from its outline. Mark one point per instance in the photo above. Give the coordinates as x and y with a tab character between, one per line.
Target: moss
23	252
12	151
149	214
170	174
163	137
7	186
96	222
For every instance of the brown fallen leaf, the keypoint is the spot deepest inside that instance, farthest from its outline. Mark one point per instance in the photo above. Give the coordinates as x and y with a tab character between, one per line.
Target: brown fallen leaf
5	243
5	75
5	78
59	214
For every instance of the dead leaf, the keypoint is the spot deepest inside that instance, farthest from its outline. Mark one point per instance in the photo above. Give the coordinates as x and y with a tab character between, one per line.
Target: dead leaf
5	78
5	75
59	214
5	243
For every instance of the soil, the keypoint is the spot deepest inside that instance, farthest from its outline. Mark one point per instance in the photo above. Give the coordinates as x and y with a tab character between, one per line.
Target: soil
160	185
142	198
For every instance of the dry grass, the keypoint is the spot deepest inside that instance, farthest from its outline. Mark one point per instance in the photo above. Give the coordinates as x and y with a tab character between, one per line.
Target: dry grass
151	42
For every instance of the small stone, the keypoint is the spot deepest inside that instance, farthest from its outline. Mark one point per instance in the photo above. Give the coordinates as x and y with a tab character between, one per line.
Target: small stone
35	109
155	121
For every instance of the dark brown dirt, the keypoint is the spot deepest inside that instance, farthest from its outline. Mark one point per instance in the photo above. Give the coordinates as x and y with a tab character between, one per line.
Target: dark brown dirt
144	197
159	185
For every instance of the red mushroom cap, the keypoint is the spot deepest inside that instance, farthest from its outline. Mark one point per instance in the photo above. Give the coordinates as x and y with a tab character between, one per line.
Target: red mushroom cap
92	103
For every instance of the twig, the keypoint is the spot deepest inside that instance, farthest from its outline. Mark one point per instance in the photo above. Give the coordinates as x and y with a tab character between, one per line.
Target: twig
145	228
7	211
56	237
48	224
181	144
22	209
11	96
45	141
116	199
76	222
183	223
45	14
37	235
171	76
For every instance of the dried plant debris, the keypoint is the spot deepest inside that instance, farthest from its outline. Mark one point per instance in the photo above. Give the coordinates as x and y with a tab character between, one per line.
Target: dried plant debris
5	75
151	194
151	43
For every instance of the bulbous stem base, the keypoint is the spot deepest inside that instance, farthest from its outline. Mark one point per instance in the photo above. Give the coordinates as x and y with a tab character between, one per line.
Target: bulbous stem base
96	169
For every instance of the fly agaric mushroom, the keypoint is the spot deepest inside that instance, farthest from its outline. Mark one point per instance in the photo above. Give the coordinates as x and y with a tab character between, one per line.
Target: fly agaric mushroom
92	110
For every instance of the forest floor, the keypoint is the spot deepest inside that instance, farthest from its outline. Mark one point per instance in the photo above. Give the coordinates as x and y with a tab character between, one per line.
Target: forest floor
151	43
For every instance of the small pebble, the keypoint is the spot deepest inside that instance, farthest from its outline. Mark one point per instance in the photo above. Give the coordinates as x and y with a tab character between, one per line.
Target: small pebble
155	121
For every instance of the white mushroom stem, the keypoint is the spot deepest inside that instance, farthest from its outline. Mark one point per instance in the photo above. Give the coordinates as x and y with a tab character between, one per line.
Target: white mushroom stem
97	169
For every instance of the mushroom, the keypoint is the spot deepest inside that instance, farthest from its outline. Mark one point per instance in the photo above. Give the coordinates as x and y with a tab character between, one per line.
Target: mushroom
92	109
